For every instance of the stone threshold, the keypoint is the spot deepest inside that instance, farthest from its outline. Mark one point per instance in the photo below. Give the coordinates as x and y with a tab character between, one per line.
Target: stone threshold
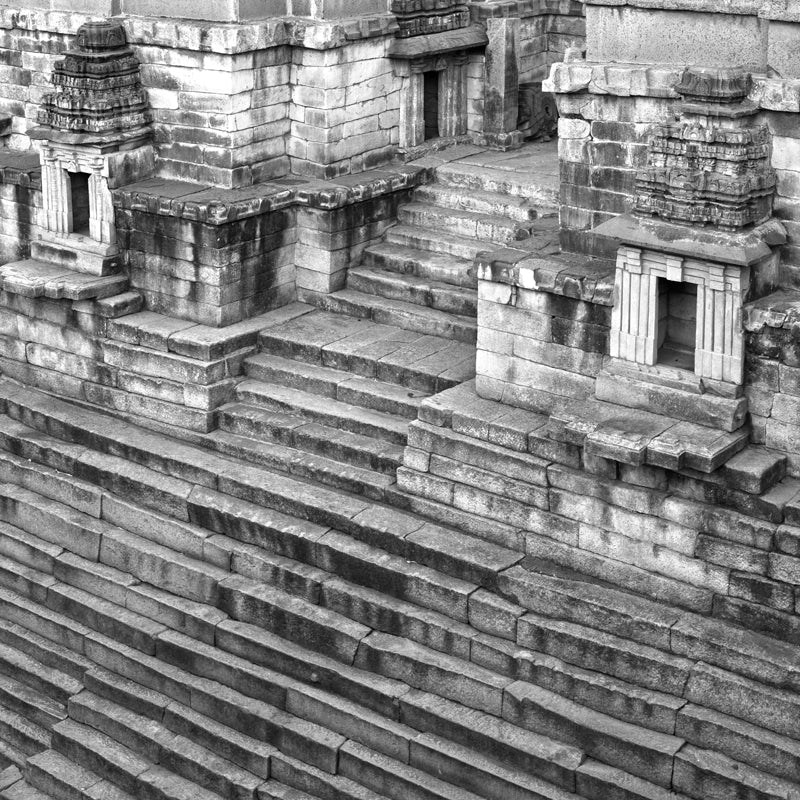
219	205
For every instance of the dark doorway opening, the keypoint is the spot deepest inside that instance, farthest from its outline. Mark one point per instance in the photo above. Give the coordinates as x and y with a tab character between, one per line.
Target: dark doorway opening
79	189
677	323
431	105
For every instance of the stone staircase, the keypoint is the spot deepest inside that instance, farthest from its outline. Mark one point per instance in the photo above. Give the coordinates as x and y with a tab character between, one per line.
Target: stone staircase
229	630
421	276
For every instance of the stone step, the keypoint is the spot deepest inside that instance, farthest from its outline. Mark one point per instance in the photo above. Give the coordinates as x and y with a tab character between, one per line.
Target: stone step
703	773
541	189
646	754
299	434
156	743
322	410
34	278
335	384
520	209
424	264
438	242
409	316
304	782
9	776
18	733
364	348
484	227
411	289
179	719
47	681
241	424
55	776
637	437
13	758
740	741
293	618
35	707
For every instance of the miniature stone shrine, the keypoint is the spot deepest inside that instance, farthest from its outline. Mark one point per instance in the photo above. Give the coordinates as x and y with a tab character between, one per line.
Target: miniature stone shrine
95	134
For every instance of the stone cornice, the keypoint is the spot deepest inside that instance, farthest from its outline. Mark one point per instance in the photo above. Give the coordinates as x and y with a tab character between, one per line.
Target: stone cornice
779	10
221	38
644	80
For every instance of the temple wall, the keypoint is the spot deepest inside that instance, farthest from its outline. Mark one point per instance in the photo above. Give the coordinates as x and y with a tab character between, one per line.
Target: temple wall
345	109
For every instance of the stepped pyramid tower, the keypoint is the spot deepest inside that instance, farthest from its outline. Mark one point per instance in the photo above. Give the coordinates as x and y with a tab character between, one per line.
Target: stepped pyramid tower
359	440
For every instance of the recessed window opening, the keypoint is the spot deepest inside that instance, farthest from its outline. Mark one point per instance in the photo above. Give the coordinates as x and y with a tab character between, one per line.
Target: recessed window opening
431	105
677	323
79	189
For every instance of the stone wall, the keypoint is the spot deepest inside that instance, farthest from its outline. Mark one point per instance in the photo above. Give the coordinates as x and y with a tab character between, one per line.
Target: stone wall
543	330
772	374
20	205
200	259
345	109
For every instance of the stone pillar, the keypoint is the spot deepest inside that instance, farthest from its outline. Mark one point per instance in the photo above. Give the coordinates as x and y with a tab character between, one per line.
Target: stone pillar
412	101
634	317
501	94
453	97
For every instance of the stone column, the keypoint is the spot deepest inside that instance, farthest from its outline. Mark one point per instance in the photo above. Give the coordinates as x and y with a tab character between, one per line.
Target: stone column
501	94
453	97
635	316
412	101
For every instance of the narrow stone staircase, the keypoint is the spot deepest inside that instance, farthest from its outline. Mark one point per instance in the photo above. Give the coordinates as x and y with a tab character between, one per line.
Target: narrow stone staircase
421	277
236	631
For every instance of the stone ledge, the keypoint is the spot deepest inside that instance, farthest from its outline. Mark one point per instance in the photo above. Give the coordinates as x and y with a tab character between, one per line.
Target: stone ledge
779	10
438	43
525	8
216	37
734	7
570	275
642	80
33	279
20	168
777	310
217	206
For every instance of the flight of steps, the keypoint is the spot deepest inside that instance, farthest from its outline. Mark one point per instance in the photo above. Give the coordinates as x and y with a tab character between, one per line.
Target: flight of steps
329	397
421	277
249	634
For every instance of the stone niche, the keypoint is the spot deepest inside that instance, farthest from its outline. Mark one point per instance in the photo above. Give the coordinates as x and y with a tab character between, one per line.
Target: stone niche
700	243
94	131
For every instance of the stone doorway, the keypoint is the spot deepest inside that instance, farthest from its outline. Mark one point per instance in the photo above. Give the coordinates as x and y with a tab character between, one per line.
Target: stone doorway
430	105
80	204
677	324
